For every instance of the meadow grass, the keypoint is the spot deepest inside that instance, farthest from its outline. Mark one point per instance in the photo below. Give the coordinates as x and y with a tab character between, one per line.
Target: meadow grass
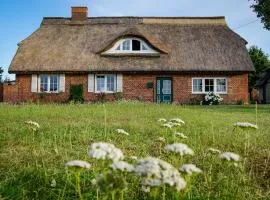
32	163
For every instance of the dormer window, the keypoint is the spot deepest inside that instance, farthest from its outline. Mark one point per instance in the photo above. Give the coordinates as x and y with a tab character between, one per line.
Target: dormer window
131	46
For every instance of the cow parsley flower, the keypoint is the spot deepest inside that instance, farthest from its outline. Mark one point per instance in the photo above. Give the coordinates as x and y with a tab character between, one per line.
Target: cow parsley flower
162	120
177	120
102	150
215	151
78	164
33	125
230	156
180	148
190	168
145	189
182	135
134	157
94	181
245	125
161	139
122	166
176	124
53	183
168	125
122	131
156	172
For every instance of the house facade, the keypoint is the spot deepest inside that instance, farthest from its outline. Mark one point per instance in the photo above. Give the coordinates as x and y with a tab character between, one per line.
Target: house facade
157	59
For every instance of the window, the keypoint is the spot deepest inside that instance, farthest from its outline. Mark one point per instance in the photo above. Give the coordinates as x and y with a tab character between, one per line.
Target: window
221	85
126	45
131	45
136	45
49	83
197	85
105	83
205	85
209	85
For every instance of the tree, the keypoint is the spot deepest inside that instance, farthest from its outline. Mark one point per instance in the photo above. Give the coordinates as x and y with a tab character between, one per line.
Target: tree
262	9
261	62
1	74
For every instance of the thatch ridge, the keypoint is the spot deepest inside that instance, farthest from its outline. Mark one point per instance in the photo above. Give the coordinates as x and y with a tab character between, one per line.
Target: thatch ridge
64	45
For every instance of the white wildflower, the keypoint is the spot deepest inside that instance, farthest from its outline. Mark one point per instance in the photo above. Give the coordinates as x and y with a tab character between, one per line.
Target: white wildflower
212	150
190	168
162	120
102	150
78	164
177	120
182	135
122	166
175	124
157	172
161	139
94	181
146	189
230	156
122	131
245	125
168	125
53	183
134	157
180	148
34	125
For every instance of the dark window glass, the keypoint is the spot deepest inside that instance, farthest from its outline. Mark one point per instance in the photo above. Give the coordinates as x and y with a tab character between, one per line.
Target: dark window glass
136	45
209	85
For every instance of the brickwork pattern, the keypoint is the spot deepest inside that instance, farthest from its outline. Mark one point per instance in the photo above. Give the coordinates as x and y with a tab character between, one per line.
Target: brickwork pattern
134	88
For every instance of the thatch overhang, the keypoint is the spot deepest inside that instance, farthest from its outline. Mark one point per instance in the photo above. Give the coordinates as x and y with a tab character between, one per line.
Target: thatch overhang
187	44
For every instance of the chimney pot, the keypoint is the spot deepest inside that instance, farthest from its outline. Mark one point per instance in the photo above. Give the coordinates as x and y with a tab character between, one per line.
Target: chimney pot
79	13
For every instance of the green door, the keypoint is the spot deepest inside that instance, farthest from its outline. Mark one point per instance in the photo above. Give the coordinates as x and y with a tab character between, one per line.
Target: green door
164	90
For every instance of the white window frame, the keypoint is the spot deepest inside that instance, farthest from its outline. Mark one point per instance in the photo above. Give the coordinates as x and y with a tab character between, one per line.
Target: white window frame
215	85
105	84
48	83
114	50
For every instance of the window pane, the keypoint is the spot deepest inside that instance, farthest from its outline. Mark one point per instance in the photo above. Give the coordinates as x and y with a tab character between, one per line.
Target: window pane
118	48
53	83
44	83
126	45
166	87
158	86
221	85
144	47
136	45
110	83
101	83
209	85
197	85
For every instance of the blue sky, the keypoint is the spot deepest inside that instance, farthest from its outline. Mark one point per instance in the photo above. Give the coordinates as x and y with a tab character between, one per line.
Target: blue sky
19	18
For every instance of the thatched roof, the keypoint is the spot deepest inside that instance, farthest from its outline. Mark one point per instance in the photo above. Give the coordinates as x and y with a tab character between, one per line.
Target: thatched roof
185	44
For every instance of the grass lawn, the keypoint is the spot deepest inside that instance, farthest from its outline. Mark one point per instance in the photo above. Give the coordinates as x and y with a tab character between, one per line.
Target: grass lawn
32	163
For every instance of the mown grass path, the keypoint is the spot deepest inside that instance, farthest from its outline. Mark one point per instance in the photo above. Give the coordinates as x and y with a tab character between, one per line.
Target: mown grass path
30	161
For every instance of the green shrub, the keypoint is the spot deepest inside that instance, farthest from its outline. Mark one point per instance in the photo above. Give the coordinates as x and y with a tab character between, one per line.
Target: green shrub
150	85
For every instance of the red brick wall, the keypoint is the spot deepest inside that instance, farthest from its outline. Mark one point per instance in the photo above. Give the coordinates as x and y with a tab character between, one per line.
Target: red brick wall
134	87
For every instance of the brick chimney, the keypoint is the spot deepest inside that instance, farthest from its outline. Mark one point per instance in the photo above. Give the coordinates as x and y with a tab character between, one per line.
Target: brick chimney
79	13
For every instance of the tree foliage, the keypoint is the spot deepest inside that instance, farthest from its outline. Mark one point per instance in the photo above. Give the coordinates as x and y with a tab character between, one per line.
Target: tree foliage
261	62
262	9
